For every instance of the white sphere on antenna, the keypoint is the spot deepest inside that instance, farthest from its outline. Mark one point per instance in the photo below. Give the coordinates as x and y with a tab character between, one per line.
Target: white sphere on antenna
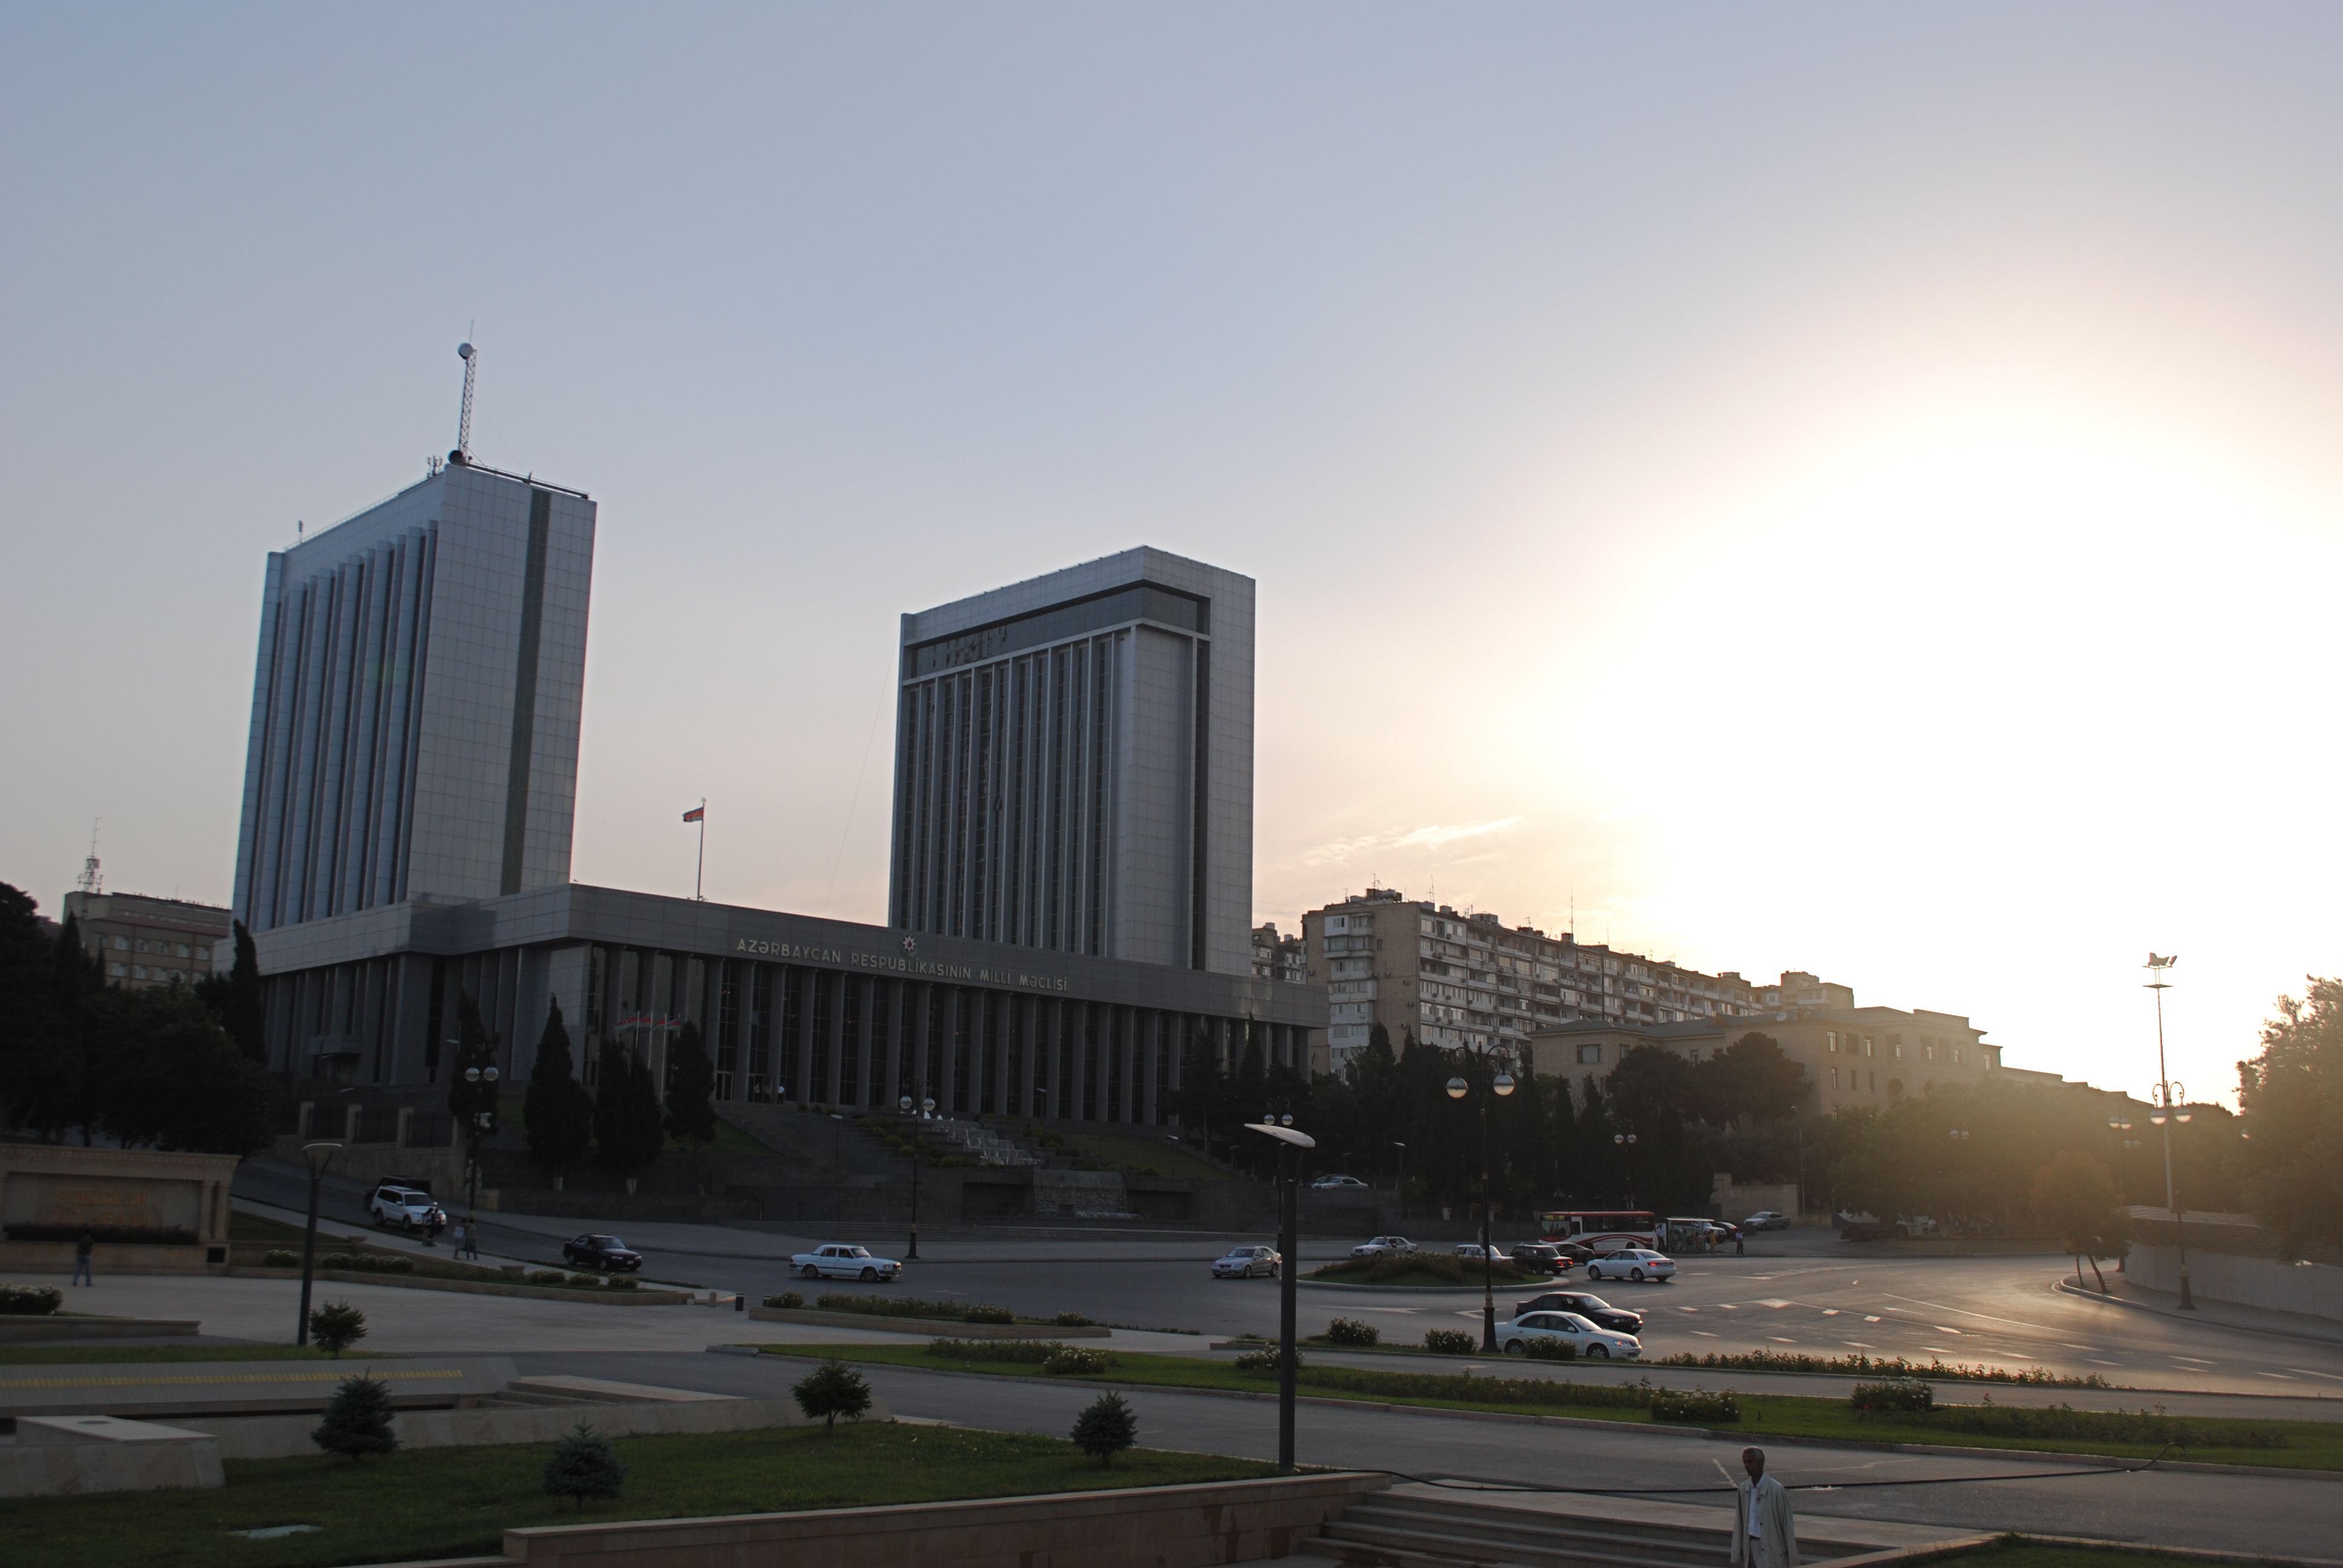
463	351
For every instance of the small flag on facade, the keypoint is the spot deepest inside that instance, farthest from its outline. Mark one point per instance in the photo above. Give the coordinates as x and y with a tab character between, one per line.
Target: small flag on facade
698	813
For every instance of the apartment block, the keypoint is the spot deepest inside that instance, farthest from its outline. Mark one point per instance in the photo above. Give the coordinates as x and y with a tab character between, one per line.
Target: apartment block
147	942
1466	979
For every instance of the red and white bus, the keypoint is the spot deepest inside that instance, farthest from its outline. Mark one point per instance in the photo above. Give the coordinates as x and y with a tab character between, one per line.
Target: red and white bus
1604	1230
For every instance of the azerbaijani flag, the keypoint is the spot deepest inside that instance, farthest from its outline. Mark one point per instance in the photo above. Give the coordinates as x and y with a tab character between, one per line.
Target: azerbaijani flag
698	813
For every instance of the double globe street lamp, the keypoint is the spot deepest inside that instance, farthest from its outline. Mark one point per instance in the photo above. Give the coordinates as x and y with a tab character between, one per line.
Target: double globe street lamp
927	1108
1499	1087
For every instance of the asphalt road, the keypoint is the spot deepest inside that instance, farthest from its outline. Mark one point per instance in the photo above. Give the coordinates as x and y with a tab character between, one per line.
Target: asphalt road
2277	1515
1802	1292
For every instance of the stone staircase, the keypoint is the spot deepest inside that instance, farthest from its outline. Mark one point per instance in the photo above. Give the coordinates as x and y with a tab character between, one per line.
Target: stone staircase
1406	1528
989	1146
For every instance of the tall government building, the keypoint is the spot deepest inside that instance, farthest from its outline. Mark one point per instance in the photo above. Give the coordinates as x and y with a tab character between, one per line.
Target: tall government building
1073	765
1072	842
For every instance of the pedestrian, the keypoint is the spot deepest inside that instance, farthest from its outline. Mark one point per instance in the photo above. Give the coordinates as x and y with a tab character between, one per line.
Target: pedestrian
433	1225
1740	1243
471	1238
82	1249
1764	1534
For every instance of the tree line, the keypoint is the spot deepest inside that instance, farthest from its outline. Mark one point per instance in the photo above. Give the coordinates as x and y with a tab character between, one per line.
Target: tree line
624	1122
181	1066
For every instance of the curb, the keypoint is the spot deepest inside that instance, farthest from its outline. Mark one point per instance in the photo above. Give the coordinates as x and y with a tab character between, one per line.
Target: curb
1425	1290
475	1287
2062	1287
2091	1460
926	1328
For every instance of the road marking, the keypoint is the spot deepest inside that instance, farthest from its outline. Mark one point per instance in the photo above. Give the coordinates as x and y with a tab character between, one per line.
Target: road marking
1830	1312
1943	1330
1868	1319
2280	1375
1780	1340
1706	1336
2096	1363
2199	1360
2307	1372
1965	1313
2087	1350
1688	1309
1777	1303
1856	1344
1727	1306
1939	1351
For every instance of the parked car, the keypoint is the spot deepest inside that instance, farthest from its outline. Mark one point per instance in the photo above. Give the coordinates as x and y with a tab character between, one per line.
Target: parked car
1594	1309
1597	1343
845	1260
1636	1263
604	1254
1543	1256
405	1208
1331	1180
1382	1247
1244	1262
1766	1220
1471	1251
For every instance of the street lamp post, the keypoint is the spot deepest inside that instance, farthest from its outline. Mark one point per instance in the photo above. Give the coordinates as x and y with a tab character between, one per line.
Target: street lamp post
1290	1145
475	1125
2164	1115
317	1157
1626	1141
1499	1086
927	1108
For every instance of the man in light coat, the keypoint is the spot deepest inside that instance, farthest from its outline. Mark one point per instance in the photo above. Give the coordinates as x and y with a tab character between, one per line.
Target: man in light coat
1764	1534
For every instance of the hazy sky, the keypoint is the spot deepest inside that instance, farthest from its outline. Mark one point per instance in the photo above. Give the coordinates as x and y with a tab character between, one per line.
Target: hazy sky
1852	488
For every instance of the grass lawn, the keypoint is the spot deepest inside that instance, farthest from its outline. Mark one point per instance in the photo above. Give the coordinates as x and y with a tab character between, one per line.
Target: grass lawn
1436	1272
2017	1552
458	1501
244	1227
2289	1444
1157	1155
132	1355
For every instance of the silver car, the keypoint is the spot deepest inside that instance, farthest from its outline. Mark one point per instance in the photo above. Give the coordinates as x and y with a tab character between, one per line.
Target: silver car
1382	1247
1601	1344
843	1261
1246	1263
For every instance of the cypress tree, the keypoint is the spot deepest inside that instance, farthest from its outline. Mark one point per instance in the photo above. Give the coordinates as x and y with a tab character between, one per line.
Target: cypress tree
243	1017
556	1109
40	1073
690	1090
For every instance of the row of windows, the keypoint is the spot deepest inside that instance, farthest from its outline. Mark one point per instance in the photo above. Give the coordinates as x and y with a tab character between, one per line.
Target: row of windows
1863	1045
199	952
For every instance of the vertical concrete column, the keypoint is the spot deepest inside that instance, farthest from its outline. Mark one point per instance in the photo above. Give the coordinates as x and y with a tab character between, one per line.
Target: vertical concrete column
835	1046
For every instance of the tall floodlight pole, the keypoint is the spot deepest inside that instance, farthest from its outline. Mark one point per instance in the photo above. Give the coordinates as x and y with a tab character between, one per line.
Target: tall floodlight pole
317	1157
1289	1154
472	358
2165	1115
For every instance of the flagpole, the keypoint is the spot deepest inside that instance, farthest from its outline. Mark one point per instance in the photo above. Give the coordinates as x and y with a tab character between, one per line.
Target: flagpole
699	869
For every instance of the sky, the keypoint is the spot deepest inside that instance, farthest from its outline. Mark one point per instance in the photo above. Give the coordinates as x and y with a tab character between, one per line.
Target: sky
1837	487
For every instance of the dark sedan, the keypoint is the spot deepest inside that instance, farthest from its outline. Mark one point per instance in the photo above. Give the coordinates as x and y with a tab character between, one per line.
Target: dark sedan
604	1254
1594	1309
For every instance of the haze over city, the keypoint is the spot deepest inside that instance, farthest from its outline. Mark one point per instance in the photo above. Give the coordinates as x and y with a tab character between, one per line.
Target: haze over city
1828	489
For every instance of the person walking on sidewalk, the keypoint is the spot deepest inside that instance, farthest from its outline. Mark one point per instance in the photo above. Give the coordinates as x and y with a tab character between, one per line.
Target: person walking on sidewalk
1764	1536
469	1241
82	1249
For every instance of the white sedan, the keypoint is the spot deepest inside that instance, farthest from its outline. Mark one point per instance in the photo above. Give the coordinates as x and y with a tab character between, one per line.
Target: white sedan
1636	1263
1600	1344
841	1260
1382	1247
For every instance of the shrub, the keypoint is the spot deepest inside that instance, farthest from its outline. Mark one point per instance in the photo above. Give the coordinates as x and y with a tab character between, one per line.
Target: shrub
583	1465
1017	1352
357	1420
1463	1388
280	1258
1549	1350
337	1326
1105	1428
984	1314
1444	1266
1071	1320
1351	1332
832	1390
1076	1361
1698	1406
1450	1341
30	1300
621	1282
1895	1394
1268	1359
547	1277
365	1263
789	1301
2062	1421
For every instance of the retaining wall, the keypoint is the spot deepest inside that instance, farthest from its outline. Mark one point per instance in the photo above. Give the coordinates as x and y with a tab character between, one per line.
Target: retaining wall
2314	1289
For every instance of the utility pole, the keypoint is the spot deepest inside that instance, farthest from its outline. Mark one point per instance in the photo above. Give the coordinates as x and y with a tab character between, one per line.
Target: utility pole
2164	1116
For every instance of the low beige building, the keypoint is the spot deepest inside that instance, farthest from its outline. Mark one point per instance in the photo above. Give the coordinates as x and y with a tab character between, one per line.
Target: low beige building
1853	1055
147	943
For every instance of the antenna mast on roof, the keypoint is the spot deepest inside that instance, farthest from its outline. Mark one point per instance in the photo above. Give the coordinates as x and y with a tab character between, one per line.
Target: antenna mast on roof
91	882
472	358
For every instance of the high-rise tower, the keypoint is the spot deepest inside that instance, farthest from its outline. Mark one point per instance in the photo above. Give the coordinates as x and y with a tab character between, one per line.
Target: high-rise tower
1073	765
414	711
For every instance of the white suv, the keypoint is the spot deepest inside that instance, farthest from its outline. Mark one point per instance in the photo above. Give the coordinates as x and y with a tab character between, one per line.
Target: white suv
404	1208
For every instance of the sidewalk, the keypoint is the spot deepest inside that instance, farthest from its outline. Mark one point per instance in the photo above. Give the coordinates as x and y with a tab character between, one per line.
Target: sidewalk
2123	1294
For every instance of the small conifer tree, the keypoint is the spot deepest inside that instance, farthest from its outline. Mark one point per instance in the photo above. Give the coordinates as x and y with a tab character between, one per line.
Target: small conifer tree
357	1420
832	1390
1105	1428
583	1465
337	1326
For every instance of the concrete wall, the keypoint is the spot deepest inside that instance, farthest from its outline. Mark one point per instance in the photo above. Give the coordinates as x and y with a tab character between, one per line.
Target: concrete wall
2314	1289
1736	1200
71	1456
287	1436
1154	1527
